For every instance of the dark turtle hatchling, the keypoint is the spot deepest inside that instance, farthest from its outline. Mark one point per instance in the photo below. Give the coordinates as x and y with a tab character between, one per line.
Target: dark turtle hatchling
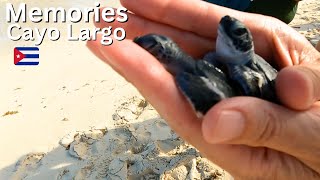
232	70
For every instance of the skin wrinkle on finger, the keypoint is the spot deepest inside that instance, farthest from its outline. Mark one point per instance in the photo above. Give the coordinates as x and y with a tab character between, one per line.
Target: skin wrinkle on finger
314	116
261	158
285	41
281	50
308	55
314	121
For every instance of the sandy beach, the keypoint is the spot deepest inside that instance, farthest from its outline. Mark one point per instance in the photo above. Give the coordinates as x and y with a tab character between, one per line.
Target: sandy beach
73	117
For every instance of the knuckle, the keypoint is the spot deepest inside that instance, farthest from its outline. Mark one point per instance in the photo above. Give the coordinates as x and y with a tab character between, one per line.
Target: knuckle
269	127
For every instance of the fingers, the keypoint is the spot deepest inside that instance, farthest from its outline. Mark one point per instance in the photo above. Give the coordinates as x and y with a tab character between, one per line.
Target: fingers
298	87
192	15
257	123
202	18
136	26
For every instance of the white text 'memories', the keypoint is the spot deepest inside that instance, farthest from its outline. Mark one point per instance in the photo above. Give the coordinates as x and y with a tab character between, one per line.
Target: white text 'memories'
59	14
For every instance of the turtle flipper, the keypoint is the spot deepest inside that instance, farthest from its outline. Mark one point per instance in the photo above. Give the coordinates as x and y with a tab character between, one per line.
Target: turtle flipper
200	91
213	58
268	91
265	68
203	68
247	80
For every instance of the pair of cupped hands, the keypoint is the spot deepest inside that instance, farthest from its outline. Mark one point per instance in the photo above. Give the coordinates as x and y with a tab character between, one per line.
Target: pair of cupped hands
249	137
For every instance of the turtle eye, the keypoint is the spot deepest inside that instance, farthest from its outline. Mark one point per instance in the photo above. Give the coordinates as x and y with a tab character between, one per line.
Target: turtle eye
239	31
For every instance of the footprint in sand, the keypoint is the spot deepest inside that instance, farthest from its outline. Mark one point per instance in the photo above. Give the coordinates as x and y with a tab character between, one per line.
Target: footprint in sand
78	143
27	165
130	110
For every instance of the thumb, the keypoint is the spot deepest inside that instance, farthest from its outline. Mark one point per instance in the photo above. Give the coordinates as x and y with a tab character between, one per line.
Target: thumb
298	87
257	123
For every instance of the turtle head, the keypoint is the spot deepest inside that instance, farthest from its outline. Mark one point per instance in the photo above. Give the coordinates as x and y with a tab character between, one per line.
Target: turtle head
167	52
234	41
162	47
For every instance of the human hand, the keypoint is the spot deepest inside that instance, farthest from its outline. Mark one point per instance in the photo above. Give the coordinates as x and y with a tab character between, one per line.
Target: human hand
271	141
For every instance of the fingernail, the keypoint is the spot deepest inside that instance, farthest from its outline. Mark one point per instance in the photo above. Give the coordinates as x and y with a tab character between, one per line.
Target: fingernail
229	125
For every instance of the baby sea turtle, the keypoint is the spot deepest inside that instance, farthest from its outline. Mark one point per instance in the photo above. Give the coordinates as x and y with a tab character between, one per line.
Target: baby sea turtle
232	70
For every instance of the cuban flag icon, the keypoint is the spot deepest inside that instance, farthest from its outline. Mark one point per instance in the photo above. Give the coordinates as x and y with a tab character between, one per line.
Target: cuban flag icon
26	56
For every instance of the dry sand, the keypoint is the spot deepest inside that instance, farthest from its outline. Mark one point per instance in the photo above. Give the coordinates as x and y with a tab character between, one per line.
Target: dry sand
307	20
74	117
